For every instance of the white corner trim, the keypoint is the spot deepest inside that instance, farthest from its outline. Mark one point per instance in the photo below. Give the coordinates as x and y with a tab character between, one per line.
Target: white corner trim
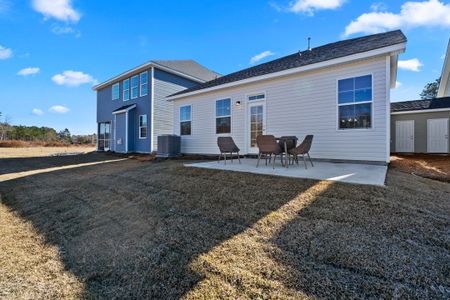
391	50
126	132
445	74
423	111
388	104
152	113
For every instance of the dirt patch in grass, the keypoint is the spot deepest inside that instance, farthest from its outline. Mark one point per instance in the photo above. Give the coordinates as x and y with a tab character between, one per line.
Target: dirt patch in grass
132	229
425	165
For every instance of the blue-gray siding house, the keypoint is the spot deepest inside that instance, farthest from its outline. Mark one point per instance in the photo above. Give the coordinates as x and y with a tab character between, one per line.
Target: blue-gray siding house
132	109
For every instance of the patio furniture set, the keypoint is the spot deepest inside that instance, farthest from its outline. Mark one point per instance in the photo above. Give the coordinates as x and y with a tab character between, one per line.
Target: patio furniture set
269	148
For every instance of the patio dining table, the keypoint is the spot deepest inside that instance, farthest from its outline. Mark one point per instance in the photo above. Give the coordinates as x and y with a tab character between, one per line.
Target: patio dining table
285	140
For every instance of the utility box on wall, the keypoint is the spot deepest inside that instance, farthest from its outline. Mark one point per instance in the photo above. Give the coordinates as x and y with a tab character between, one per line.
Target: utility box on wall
168	145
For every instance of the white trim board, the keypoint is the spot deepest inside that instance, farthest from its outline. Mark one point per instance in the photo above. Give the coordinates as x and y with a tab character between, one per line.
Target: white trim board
423	111
390	51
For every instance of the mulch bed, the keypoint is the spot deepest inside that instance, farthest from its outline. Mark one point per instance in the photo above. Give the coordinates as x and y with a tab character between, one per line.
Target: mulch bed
435	167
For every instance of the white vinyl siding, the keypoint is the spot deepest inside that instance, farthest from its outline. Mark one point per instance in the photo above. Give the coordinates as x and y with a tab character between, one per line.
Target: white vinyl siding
298	105
116	91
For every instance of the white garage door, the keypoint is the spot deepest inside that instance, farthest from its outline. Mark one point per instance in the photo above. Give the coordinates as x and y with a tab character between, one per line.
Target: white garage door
437	135
404	136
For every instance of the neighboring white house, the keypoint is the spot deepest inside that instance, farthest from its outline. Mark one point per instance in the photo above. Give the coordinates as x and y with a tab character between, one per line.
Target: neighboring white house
338	92
444	87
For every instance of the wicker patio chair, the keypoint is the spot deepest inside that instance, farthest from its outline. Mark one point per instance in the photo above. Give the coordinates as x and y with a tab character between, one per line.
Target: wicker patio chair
226	145
303	149
268	146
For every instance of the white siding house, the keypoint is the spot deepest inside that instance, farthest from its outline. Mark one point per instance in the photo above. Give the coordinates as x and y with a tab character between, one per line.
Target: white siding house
297	101
444	87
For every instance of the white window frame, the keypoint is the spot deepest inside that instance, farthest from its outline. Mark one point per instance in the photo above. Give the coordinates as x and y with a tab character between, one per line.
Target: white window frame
143	83
355	103
126	92
136	87
190	120
140	127
112	91
226	116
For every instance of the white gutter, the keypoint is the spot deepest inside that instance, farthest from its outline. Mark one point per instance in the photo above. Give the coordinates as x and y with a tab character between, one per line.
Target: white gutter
420	111
445	73
141	68
391	50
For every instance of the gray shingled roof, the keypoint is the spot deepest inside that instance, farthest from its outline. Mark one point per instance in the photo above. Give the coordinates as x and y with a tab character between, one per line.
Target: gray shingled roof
189	67
414	105
123	107
316	55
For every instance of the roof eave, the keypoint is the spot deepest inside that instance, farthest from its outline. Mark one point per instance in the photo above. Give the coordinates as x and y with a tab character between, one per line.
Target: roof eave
146	65
391	50
445	73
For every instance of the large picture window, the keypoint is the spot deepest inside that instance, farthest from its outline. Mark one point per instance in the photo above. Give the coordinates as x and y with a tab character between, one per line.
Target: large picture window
115	91
355	102
185	120
134	86
144	84
223	116
143	126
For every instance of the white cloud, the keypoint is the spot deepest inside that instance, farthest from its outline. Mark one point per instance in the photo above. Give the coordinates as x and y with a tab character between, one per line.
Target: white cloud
443	56
37	112
398	84
260	56
5	53
410	65
59	109
73	78
28	71
378	6
59	9
432	13
309	6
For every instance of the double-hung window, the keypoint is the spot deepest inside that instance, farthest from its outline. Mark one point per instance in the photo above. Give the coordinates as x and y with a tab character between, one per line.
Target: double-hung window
115	91
223	116
126	90
144	84
185	120
143	126
355	102
134	86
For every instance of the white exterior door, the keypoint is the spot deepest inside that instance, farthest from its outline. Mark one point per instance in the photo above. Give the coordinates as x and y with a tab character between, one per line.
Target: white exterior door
437	135
256	123
404	136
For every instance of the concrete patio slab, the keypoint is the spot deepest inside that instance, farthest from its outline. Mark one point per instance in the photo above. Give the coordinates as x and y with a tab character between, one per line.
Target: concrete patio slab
341	172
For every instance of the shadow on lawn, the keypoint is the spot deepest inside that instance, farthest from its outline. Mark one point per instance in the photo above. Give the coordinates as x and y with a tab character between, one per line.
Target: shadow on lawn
13	165
367	242
130	229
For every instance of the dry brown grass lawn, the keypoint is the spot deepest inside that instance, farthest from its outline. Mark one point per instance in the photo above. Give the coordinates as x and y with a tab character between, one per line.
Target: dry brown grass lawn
132	229
42	151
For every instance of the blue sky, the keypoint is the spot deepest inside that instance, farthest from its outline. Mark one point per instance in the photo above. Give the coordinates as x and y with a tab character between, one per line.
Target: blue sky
53	51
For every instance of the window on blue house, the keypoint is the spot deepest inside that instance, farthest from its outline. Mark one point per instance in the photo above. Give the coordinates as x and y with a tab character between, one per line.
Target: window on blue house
223	116
144	84
115	91
355	102
185	120
126	89
143	126
134	86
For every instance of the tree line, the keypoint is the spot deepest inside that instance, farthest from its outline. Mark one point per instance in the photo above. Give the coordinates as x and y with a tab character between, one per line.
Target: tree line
41	134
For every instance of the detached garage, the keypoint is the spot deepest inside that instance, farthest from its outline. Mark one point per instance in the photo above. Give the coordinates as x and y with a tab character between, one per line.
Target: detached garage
420	126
